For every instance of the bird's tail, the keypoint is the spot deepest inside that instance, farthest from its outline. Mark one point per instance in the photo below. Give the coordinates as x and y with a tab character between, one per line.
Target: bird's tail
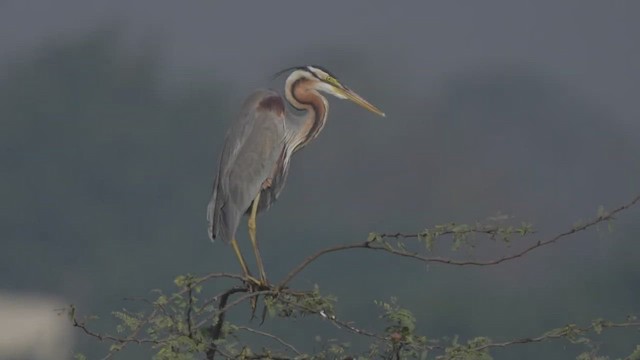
211	218
221	224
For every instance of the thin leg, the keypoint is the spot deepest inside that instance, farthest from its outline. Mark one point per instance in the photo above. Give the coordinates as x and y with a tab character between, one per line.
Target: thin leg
251	281
254	241
242	261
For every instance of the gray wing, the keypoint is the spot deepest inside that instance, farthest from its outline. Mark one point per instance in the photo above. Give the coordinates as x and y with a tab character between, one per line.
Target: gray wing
253	147
270	194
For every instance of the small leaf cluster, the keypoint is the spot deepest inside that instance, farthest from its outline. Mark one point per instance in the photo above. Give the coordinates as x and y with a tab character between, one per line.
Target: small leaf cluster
181	326
298	304
474	349
401	339
461	235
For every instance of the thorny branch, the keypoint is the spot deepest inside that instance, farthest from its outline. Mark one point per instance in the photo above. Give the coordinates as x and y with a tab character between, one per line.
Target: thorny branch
567	331
216	329
224	304
376	245
338	323
122	341
271	336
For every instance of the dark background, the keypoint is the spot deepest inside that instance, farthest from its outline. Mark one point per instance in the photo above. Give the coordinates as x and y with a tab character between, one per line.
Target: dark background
113	115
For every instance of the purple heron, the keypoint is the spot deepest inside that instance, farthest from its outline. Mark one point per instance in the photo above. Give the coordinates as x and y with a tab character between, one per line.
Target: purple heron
258	148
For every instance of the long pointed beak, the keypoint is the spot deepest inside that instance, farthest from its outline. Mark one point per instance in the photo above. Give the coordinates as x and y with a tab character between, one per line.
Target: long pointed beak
351	95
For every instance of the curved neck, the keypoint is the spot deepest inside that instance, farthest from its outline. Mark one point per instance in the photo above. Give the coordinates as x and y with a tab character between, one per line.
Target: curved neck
300	93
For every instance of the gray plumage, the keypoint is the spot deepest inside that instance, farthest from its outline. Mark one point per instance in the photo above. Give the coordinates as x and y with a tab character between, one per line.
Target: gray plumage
259	145
254	145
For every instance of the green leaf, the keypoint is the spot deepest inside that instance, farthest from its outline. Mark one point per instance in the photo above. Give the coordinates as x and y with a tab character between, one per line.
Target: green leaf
180	280
597	325
635	355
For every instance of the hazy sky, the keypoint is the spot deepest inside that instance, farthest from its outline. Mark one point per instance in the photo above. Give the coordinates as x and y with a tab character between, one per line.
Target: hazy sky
494	153
590	44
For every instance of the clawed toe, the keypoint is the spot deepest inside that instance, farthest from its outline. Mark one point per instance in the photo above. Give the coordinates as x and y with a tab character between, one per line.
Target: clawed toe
254	285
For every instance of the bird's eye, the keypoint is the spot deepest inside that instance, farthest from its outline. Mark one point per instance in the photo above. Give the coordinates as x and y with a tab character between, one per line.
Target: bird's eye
331	80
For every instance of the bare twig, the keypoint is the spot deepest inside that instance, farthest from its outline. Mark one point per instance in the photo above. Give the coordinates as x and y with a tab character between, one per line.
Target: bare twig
276	338
491	230
245	297
558	334
189	309
217	297
336	321
315	256
133	338
215	275
372	245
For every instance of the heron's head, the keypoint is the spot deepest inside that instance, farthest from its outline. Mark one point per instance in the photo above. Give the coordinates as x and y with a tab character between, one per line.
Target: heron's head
321	79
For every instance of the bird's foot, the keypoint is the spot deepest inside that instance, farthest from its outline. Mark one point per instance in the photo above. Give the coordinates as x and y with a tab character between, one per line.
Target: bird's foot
253	286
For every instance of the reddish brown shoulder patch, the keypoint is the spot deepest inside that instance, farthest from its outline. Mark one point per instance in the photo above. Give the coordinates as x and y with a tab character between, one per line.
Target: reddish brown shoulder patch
272	103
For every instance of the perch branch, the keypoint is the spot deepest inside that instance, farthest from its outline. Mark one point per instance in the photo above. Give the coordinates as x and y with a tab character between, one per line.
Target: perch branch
373	245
